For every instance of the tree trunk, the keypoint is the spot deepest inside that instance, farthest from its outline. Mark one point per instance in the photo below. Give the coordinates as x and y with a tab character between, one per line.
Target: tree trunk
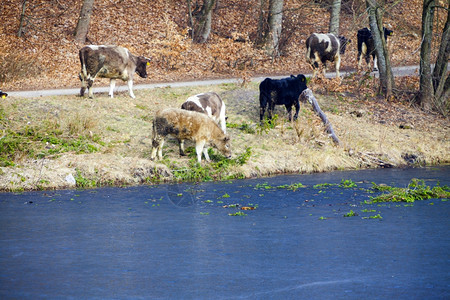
275	20
202	26
384	65
22	18
426	92
262	23
308	95
83	21
440	70
334	17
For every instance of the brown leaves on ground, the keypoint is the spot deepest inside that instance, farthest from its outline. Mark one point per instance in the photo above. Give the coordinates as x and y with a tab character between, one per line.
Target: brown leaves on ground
46	55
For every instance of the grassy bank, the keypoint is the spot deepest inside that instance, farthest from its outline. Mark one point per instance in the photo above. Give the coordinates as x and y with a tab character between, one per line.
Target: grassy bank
68	141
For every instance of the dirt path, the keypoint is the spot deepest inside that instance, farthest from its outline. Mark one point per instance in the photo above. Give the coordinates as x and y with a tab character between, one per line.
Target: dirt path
398	71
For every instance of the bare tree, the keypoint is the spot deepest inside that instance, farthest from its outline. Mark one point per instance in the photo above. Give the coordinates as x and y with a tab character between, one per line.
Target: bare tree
262	23
22	18
334	17
384	63
84	20
434	88
275	21
200	18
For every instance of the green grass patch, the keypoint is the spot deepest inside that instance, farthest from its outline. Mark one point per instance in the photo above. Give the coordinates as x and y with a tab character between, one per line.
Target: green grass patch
292	187
416	190
351	213
217	169
238	213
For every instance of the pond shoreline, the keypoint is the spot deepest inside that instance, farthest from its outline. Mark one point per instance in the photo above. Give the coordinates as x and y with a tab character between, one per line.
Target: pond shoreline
65	142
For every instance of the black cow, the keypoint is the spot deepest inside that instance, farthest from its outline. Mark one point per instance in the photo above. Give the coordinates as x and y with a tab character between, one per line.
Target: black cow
325	47
284	91
366	46
112	62
3	95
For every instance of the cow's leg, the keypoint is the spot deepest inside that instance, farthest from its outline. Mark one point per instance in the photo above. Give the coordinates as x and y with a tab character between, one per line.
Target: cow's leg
297	109
181	145
270	110
90	82
375	63
199	145
160	147
315	64
289	111
337	63
83	84
262	110
362	53
205	153
112	85
262	105
130	88
155	145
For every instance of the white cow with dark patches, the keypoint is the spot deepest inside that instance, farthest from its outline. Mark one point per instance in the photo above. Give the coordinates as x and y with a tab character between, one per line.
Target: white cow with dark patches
188	125
112	62
209	104
321	48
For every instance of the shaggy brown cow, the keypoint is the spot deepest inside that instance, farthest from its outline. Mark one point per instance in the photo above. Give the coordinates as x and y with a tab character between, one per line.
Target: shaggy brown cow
188	125
112	62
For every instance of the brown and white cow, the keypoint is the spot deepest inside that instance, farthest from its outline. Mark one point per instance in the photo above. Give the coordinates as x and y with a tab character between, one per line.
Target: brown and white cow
112	62
325	47
188	125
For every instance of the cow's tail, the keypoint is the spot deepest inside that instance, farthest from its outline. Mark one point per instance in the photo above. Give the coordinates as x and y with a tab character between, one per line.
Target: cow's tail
83	73
83	64
308	50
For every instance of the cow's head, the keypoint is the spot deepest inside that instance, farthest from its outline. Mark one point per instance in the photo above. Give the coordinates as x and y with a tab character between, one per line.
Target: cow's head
301	82
141	66
343	41
3	95
387	32
224	146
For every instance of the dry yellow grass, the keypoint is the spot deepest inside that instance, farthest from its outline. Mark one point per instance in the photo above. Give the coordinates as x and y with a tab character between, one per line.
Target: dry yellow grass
123	129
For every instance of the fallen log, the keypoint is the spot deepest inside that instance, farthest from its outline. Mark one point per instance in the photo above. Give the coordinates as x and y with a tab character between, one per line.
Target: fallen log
308	95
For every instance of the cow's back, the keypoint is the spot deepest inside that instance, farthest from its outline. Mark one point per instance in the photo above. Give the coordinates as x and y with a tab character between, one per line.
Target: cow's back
325	45
106	61
208	103
185	124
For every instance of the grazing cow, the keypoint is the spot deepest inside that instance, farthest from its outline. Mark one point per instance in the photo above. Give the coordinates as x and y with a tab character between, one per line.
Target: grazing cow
284	91
366	46
210	104
188	125
3	95
325	47
112	62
